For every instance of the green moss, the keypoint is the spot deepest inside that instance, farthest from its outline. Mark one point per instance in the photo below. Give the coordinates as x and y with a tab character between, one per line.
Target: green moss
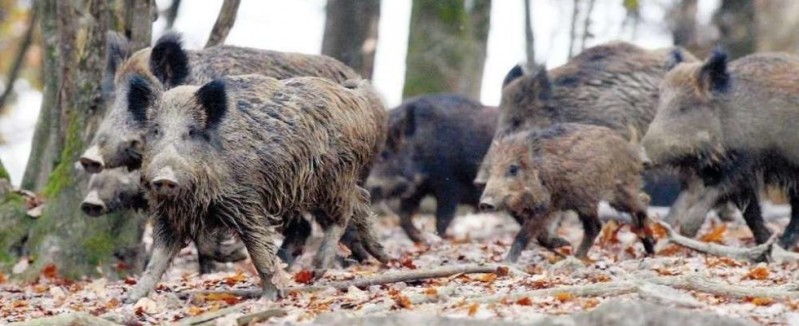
15	223
4	172
61	176
98	247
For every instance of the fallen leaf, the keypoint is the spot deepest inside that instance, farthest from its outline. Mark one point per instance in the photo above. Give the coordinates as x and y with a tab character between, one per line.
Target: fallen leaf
590	303
130	281
50	271
663	271
473	309
304	277
563	296
3	278
41	288
113	303
761	301
610	233
19	304
235	279
716	235
407	262
758	273
502	271
431	292
228	298
403	302
670	250
526	301
194	311
487	278
658	231
146	306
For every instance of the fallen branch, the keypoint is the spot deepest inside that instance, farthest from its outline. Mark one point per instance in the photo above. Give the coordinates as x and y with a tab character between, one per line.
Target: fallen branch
588	290
387	278
211	315
768	251
75	318
260	316
703	284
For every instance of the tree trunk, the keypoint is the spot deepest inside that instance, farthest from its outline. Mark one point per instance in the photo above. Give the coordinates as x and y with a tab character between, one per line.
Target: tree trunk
224	23
777	23
74	46
737	27
351	33
529	36
447	47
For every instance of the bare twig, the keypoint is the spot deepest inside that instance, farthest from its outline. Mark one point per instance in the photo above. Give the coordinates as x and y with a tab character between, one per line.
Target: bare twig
587	25
19	59
529	37
172	14
224	22
573	27
768	251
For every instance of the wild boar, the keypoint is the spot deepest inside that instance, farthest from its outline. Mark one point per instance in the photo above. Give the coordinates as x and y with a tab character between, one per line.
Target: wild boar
731	122
538	174
245	153
435	145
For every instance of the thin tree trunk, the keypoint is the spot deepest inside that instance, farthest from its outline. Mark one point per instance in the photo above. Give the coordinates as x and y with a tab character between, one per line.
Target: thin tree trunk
172	14
573	27
737	26
351	33
224	23
19	59
74	43
587	25
529	36
447	47
138	23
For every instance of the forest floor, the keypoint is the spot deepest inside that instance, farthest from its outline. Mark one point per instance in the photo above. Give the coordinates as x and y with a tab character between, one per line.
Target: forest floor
542	288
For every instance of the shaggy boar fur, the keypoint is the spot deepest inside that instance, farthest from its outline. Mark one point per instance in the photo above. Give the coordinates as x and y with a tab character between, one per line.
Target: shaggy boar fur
435	145
245	153
538	174
733	122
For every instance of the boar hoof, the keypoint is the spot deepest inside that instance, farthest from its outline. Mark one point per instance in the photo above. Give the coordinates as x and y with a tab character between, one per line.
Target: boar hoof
271	293
135	295
319	273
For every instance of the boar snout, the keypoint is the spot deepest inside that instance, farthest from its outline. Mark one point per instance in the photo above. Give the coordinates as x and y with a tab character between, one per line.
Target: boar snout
487	204
645	160
92	205
92	161
165	183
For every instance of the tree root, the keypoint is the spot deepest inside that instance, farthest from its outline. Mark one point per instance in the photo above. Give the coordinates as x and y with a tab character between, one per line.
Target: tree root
387	278
768	251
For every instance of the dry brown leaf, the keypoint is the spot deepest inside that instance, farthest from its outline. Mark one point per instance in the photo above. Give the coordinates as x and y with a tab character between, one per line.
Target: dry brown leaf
716	235
502	271
3	278
758	273
564	296
40	288
130	281
228	298
407	262
112	304
663	271
235	279
303	277
19	304
722	261
50	271
473	309
487	278
670	250
431	292
192	311
761	301
526	301
403	302
610	233
658	231
590	303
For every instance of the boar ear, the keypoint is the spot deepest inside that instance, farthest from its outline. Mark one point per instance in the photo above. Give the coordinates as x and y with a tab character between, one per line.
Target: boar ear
169	61
674	58
515	72
542	83
713	77
140	97
117	50
213	98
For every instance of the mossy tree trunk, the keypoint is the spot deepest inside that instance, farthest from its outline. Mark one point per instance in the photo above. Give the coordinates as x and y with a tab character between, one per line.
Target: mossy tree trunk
74	35
447	47
735	20
351	33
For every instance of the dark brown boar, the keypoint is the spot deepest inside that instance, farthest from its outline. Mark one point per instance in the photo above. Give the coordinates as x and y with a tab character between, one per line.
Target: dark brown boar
538	174
245	153
435	145
733	122
119	140
114	190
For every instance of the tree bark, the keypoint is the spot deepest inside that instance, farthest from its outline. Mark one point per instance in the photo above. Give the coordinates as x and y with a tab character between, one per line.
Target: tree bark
172	14
224	23
573	27
529	36
74	45
16	65
351	29
447	47
737	27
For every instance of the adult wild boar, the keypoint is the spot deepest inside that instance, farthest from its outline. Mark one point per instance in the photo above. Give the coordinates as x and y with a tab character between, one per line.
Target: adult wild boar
119	140
733	122
245	153
114	190
538	174
435	145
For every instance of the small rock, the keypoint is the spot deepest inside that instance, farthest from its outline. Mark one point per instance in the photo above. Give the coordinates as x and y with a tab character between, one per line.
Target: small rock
147	305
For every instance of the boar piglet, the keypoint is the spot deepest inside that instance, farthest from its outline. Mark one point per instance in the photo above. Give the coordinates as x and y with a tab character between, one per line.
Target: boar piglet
434	147
119	139
247	152
537	174
116	190
735	124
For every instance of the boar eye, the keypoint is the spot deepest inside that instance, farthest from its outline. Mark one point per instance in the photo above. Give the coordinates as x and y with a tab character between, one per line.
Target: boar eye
513	170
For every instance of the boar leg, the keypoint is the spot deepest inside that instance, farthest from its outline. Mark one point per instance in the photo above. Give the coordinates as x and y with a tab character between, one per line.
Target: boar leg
589	217
753	215
263	252
695	216
205	249
446	206
537	226
408	208
165	247
334	224
791	233
296	232
520	242
363	223
629	201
